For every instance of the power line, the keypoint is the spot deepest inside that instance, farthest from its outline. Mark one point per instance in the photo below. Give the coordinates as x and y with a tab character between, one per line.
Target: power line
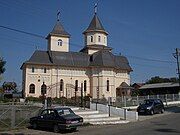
44	38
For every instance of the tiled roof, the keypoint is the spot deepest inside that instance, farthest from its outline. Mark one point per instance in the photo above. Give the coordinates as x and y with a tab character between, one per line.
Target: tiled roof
59	30
95	25
159	85
79	59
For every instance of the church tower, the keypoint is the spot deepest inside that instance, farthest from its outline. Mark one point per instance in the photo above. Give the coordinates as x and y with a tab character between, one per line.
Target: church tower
95	36
58	38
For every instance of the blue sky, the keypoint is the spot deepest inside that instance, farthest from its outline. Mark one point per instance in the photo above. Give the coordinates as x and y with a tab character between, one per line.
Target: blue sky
141	30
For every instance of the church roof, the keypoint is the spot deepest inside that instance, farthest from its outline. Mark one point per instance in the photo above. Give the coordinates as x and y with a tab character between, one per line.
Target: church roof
78	59
95	26
59	30
105	58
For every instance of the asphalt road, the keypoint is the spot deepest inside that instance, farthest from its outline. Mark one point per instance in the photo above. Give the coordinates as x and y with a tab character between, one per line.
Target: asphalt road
159	124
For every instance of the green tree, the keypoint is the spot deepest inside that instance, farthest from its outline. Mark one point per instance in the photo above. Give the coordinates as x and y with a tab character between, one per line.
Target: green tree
158	79
2	64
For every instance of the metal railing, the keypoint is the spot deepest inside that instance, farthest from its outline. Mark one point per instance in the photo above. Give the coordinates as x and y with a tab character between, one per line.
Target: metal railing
127	101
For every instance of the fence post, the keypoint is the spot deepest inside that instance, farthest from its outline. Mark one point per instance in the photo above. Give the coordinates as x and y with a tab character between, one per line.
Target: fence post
124	114
148	97
137	100
124	101
166	99
173	97
13	115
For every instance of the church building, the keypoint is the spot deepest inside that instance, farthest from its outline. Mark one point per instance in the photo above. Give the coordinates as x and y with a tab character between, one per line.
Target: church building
59	72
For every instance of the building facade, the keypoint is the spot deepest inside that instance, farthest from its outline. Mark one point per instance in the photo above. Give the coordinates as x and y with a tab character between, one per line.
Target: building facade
58	72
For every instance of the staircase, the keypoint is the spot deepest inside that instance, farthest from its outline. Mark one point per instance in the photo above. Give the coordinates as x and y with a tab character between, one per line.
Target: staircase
96	117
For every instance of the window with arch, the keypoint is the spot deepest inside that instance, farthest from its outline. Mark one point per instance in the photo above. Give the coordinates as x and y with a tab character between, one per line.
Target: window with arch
107	85
32	88
76	85
32	69
61	85
85	85
99	38
43	89
45	70
59	42
104	39
91	38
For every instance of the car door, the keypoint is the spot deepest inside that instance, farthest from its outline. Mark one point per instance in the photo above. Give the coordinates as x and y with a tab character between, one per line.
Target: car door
51	118
42	118
157	106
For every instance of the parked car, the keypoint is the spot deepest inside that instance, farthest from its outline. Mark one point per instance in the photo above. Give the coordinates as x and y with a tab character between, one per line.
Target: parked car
57	119
151	106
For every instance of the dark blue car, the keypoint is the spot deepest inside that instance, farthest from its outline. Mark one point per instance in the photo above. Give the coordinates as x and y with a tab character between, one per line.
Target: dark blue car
57	119
151	106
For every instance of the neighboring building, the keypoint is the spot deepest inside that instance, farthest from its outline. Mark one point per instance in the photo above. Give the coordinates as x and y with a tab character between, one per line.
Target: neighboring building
59	72
159	88
123	90
136	86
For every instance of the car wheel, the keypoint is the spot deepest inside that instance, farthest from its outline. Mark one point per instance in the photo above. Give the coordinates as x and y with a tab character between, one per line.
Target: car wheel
74	129
162	111
56	128
34	125
152	112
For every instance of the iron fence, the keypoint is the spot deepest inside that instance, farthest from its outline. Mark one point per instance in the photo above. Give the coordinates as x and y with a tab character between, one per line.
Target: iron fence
16	115
127	101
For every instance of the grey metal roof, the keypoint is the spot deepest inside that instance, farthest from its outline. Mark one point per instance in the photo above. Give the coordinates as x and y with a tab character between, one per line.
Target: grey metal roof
95	25
159	85
75	59
40	57
105	58
59	30
101	58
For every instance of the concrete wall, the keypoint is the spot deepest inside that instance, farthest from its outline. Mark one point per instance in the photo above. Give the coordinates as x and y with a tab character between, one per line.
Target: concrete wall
128	115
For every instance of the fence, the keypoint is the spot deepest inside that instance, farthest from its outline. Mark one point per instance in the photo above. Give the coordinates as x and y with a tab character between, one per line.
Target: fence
16	115
136	100
123	113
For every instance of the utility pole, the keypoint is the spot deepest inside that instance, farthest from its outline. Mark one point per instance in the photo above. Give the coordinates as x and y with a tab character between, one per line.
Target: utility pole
176	55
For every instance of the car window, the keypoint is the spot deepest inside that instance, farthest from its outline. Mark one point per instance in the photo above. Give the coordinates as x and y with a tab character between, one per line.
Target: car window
65	111
148	102
45	112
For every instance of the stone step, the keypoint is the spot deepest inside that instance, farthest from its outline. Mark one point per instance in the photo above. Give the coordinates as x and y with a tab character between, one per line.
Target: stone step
102	119
109	122
95	116
86	112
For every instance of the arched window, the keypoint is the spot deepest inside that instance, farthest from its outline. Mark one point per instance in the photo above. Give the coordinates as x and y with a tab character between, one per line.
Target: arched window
76	85
45	70
59	42
43	89
61	85
32	88
85	85
99	38
32	69
107	85
104	39
91	38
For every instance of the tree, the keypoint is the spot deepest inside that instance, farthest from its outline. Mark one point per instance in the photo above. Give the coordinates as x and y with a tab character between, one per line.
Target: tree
158	79
2	64
9	86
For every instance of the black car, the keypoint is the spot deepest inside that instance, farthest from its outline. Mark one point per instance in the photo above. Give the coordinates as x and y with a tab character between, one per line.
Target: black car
151	106
57	119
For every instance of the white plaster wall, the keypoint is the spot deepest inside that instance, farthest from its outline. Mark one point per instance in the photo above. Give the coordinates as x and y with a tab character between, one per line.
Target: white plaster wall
103	38
53	44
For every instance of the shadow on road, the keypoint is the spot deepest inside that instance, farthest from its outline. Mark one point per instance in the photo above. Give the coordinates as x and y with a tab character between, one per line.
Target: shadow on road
50	130
173	109
167	130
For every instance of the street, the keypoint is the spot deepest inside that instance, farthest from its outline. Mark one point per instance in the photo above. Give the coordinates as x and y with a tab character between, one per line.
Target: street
159	124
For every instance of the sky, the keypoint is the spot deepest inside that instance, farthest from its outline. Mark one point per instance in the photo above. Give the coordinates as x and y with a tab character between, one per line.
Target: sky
145	31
